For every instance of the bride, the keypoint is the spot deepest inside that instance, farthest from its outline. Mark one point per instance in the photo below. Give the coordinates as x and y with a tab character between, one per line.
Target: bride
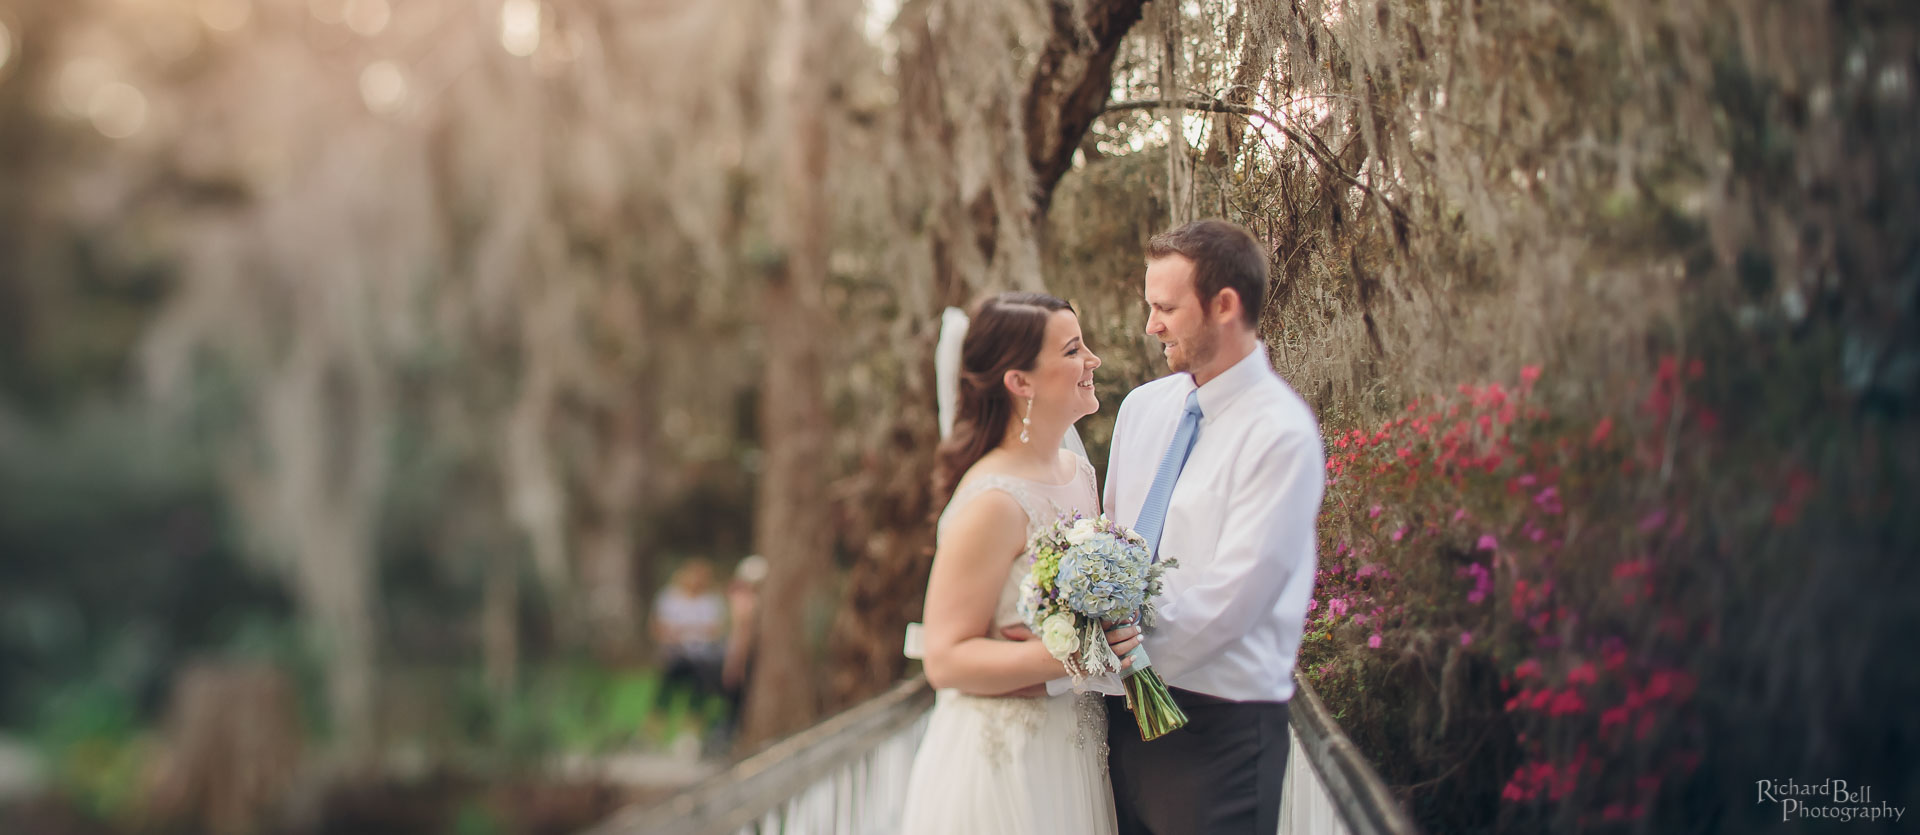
1000	755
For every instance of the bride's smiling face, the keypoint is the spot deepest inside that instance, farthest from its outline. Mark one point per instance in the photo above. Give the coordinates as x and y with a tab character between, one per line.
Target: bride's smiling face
1062	375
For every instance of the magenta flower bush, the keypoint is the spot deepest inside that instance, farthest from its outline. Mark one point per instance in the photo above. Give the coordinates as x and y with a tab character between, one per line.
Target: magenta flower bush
1490	620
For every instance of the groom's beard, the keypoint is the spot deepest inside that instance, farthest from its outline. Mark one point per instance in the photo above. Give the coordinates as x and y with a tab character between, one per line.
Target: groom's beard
1194	351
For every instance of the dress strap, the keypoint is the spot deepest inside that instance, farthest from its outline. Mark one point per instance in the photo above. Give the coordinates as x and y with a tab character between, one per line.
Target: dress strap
1040	511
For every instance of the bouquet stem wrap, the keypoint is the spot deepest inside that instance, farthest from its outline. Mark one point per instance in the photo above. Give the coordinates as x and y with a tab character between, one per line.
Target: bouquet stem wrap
1154	710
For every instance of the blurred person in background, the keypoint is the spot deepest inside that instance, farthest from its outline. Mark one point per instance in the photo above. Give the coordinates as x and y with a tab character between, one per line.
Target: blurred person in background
689	624
743	602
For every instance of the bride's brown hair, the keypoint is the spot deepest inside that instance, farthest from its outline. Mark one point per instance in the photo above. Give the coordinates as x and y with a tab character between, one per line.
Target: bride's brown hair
1005	334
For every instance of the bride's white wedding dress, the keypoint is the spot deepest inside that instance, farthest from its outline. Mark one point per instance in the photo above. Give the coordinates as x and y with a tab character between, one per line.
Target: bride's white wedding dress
1014	766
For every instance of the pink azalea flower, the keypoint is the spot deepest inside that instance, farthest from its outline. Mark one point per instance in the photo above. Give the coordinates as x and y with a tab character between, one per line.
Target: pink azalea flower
1374	641
1466	638
1567	702
1583	674
1653	521
1399	533
1601	431
1548	500
1374	513
1612	717
1459	514
1487	542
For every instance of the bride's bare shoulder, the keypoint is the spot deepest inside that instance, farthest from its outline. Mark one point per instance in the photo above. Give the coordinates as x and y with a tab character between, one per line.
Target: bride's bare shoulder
990	518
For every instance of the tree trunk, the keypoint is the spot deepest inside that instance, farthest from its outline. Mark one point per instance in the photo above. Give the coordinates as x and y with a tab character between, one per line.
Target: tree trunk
789	529
314	496
500	626
889	521
1179	163
1071	84
607	557
232	750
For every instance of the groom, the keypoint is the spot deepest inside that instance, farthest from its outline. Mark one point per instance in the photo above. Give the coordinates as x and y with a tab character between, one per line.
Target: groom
1220	465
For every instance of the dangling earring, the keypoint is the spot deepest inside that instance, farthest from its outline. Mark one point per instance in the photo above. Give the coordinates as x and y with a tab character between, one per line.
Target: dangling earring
1026	422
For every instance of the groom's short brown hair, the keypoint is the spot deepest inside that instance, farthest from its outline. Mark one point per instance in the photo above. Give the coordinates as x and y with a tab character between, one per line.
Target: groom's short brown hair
1224	254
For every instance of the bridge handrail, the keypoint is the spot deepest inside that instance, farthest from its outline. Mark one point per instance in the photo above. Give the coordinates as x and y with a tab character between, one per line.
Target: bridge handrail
749	793
1361	799
732	799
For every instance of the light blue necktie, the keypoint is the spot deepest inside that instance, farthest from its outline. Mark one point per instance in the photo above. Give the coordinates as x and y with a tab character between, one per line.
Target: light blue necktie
1153	514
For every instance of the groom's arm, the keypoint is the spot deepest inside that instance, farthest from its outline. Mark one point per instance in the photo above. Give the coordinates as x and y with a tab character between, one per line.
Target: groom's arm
1269	513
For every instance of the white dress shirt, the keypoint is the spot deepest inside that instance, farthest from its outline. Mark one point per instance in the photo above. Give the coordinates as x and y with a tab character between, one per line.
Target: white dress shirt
1241	523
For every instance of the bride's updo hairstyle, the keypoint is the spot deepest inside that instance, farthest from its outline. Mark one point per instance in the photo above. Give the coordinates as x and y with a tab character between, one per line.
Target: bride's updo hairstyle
1005	334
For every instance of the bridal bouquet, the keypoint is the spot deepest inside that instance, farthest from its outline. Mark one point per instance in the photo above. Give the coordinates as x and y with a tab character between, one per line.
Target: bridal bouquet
1088	573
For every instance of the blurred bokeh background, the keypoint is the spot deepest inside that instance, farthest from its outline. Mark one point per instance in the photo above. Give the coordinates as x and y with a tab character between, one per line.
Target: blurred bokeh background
371	369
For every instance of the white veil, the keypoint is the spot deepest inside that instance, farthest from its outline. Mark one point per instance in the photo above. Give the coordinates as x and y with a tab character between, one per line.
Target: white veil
946	376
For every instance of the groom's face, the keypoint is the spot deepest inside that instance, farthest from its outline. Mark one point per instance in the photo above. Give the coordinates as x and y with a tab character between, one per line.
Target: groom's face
1175	315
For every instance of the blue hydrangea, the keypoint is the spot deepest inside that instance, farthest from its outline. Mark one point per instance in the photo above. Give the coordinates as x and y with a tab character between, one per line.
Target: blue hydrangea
1104	577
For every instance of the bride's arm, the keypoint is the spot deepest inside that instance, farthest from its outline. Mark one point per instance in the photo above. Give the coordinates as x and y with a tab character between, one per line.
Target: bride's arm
976	551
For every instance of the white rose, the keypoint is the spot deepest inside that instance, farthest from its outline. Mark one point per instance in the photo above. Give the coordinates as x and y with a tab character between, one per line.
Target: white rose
1059	636
1081	531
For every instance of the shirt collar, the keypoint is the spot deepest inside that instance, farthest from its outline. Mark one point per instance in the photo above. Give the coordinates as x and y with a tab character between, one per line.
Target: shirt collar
1221	391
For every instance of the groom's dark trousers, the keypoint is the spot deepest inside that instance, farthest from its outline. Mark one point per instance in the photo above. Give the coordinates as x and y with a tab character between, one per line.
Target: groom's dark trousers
1219	774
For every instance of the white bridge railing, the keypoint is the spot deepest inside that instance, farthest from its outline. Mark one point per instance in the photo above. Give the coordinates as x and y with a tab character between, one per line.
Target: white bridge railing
848	776
1330	788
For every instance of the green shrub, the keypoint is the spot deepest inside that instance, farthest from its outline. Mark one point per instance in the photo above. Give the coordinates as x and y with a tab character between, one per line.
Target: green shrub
90	736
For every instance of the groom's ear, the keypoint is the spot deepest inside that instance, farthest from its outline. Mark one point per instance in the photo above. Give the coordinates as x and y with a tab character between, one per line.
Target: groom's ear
1225	303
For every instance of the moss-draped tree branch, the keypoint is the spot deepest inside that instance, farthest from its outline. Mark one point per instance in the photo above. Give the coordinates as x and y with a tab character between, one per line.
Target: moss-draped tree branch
1311	143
